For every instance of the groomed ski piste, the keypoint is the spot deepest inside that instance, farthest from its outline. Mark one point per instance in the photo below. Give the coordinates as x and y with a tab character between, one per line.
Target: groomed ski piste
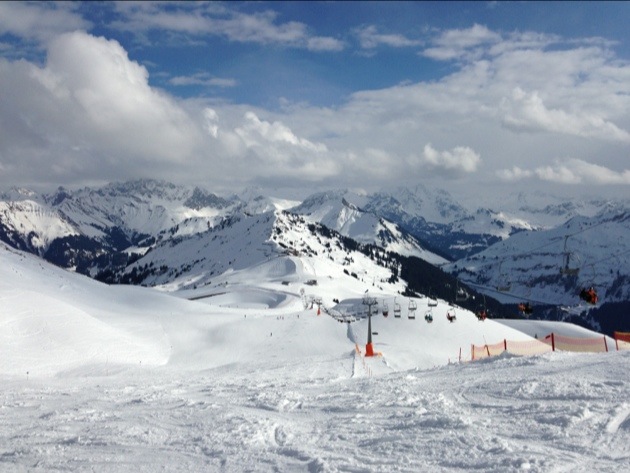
243	375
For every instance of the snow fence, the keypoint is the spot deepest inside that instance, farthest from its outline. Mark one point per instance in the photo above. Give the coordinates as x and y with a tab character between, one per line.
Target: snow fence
552	342
622	339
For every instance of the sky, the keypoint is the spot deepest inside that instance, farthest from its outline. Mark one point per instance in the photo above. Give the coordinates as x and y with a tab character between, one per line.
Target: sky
478	98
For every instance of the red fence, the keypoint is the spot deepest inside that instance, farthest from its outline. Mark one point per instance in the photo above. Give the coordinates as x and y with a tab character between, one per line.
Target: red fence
622	339
552	342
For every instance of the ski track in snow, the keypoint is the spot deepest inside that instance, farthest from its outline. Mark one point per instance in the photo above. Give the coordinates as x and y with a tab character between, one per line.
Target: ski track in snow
503	414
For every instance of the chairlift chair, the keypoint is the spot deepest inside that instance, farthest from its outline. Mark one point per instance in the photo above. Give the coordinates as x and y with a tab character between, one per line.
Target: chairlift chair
504	284
450	315
397	309
589	295
525	308
411	312
482	313
428	316
571	261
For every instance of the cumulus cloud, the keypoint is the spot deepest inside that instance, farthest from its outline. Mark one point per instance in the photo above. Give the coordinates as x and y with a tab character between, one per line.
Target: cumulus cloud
89	109
527	111
255	131
460	159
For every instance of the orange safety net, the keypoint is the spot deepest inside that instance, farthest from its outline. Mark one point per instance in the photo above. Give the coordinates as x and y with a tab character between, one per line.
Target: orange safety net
527	347
593	345
484	351
530	347
622	336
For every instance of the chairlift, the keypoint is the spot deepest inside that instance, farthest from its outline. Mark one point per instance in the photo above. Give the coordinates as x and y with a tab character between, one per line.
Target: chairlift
385	309
460	294
432	300
397	309
411	312
525	308
482	314
571	261
589	295
504	284
450	315
428	316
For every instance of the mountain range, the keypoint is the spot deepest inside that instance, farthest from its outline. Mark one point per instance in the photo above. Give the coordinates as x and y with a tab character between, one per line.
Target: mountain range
181	238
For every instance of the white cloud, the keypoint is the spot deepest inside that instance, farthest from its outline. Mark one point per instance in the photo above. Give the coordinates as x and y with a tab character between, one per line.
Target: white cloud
39	21
514	174
456	44
271	150
324	43
256	132
202	78
199	19
90	110
570	171
369	38
527	111
212	122
459	159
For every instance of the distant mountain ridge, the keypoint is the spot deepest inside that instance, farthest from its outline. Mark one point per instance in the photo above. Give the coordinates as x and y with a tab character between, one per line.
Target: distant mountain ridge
117	233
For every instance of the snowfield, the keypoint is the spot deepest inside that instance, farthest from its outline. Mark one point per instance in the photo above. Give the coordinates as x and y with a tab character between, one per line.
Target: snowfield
247	377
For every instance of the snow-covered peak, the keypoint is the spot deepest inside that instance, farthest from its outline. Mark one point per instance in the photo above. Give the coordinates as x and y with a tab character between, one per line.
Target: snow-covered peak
16	194
342	212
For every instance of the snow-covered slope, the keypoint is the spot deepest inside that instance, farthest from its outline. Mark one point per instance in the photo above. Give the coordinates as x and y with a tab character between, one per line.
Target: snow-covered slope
249	379
31	225
595	250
